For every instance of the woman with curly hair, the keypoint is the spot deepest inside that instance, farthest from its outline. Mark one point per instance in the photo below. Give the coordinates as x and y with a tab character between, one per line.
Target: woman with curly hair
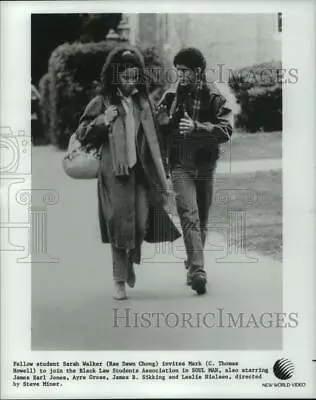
132	185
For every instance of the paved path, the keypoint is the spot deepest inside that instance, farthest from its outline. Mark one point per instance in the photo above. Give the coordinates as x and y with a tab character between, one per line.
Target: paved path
72	304
223	167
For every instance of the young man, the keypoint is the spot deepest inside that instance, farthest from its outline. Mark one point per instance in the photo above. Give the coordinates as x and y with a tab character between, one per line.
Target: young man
195	119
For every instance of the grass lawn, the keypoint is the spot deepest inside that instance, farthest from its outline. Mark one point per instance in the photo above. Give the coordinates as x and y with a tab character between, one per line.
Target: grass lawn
264	217
253	146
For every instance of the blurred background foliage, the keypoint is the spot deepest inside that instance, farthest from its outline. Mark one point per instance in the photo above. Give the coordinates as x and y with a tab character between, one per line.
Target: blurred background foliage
68	52
258	90
51	30
67	55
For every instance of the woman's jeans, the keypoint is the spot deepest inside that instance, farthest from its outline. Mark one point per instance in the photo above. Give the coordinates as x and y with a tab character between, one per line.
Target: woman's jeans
193	197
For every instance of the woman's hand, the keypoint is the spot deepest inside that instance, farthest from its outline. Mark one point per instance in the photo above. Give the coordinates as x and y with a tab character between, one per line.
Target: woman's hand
110	114
162	114
162	108
186	125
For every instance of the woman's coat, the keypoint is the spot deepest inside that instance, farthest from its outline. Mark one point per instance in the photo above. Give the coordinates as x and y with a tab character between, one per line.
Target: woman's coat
92	130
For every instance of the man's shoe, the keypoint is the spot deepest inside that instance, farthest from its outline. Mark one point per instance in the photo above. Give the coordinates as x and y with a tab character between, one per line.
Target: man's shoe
189	279
198	283
120	292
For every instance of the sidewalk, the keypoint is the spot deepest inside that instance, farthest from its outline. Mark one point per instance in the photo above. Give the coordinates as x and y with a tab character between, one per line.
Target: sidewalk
82	316
223	167
72	303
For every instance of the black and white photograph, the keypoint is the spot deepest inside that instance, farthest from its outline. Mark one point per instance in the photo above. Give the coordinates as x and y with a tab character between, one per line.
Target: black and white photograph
161	136
163	162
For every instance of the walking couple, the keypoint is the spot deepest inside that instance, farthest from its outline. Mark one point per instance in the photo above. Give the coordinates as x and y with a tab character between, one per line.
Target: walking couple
140	143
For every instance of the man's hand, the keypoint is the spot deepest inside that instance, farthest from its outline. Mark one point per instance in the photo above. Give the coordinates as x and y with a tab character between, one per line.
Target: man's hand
186	125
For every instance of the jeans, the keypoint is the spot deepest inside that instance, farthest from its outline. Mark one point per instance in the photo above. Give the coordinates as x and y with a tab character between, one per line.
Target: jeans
194	192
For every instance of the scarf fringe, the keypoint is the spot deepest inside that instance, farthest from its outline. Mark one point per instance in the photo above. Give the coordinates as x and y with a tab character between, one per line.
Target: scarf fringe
122	170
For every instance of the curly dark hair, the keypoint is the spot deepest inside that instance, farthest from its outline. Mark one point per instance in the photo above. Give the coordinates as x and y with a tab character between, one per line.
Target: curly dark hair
191	58
119	59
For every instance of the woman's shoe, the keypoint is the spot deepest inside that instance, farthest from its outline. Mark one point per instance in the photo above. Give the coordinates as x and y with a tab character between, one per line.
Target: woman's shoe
120	292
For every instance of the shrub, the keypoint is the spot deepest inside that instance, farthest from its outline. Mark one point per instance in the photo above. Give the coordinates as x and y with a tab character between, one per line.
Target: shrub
73	68
258	90
44	89
74	71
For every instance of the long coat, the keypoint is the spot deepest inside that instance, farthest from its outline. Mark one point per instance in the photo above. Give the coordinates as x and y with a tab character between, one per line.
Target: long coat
92	130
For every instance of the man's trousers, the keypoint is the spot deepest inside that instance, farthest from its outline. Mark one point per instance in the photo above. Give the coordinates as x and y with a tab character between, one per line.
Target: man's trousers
194	193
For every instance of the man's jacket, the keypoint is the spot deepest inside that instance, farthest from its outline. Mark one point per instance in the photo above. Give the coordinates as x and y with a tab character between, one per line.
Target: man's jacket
200	149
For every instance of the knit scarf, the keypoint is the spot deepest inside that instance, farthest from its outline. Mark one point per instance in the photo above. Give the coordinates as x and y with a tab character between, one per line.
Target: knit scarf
119	142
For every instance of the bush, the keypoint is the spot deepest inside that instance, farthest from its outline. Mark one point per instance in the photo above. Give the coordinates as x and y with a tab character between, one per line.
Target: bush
73	68
258	90
44	89
74	71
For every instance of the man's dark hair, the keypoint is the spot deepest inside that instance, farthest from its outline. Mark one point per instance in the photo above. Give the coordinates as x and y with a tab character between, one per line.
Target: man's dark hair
191	58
